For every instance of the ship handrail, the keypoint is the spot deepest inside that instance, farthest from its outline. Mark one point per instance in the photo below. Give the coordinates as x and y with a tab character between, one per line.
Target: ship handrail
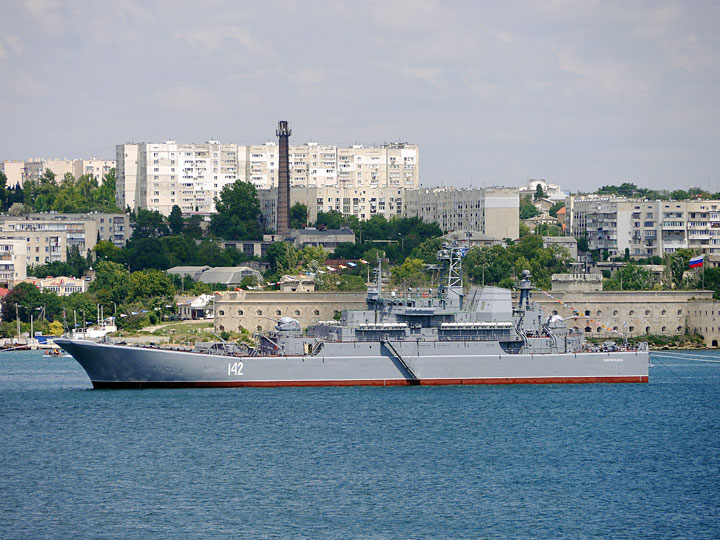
413	377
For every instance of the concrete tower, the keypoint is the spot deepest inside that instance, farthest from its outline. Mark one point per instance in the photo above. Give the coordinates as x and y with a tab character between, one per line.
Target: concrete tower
283	204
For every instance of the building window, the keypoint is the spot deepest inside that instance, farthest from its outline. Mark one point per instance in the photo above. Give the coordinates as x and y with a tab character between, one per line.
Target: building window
278	312
259	311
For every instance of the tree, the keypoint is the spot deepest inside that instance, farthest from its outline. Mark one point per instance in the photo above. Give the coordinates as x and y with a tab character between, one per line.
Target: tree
4	194
149	224
527	208
145	253
410	273
555	207
298	216
111	284
632	277
539	192
176	220
282	257
237	214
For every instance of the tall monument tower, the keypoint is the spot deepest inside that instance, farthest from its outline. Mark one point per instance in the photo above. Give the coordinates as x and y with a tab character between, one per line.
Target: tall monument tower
283	203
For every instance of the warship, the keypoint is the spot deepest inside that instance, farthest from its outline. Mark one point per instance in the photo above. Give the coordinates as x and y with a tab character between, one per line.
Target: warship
442	336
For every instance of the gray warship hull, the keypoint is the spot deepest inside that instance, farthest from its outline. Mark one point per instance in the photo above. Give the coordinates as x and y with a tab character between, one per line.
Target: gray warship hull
350	364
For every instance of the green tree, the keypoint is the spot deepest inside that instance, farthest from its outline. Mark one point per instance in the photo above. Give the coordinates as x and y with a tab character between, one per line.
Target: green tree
4	193
283	258
410	273
39	195
539	192
149	224
555	207
175	220
111	284
298	216
631	277
237	214
143	253
527	208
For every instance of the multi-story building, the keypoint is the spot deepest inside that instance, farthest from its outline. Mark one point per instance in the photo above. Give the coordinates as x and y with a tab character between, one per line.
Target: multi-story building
126	175
168	174
314	165
13	261
35	168
645	228
158	176
13	172
492	211
47	236
361	202
18	172
95	167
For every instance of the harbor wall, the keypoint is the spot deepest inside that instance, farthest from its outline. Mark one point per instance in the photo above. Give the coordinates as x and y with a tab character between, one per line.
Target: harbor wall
259	310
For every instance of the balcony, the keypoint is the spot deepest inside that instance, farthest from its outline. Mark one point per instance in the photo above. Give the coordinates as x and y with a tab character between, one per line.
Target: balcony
673	226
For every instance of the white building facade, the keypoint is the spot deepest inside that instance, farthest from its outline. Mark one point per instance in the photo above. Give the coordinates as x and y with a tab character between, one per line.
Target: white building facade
492	211
157	176
645	228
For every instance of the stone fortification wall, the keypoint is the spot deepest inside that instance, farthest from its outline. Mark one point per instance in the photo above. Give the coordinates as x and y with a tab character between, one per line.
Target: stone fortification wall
258	311
641	312
577	282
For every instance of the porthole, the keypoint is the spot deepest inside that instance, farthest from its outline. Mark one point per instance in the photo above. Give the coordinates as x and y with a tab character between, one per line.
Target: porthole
647	312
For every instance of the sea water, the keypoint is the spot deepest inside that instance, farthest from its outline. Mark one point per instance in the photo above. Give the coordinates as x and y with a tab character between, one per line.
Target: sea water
536	461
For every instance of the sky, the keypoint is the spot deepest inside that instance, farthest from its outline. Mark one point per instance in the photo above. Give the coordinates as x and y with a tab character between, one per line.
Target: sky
582	94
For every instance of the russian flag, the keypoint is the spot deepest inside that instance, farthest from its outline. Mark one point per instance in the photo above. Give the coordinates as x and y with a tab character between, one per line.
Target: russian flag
696	261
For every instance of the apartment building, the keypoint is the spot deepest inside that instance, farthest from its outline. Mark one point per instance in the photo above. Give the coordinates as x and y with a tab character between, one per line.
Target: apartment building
126	157
492	211
48	236
645	228
18	172
315	165
95	167
13	171
158	176
361	202
13	261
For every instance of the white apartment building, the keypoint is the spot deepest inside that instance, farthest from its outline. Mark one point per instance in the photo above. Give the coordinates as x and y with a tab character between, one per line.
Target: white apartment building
36	167
47	236
126	175
492	211
13	172
95	167
168	174
361	202
314	165
13	261
645	228
158	176
18	172
553	192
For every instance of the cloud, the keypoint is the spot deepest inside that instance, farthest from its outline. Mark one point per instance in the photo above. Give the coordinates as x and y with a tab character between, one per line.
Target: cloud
214	39
613	78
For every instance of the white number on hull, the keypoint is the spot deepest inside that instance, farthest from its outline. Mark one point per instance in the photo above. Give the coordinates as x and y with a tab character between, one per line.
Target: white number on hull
235	368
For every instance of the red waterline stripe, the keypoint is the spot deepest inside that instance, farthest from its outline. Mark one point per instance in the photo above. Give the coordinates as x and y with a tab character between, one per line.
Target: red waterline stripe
369	382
